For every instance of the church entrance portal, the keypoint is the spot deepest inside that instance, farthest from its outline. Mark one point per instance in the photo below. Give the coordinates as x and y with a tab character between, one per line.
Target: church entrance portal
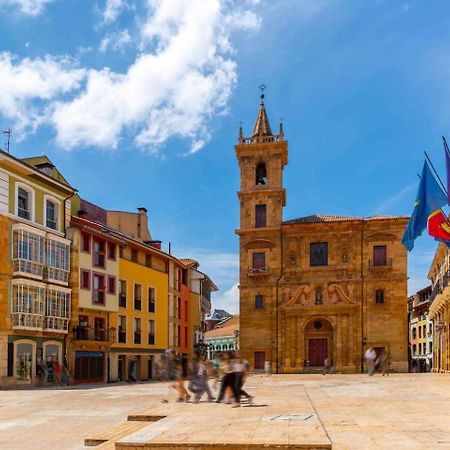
319	342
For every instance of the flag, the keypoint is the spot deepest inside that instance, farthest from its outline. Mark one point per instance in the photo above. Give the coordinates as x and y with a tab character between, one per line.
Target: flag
447	166
430	197
438	227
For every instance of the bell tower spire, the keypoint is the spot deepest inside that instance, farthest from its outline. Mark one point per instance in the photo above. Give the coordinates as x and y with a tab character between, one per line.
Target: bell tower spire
262	126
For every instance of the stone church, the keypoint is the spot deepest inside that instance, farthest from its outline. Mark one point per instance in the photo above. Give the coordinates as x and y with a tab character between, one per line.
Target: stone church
314	287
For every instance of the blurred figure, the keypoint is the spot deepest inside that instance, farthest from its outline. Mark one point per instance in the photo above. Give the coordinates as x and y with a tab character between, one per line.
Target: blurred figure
57	371
240	374
183	395
327	366
382	363
370	360
202	381
228	379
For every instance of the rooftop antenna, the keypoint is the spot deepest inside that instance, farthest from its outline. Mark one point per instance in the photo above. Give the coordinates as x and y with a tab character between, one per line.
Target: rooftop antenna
8	132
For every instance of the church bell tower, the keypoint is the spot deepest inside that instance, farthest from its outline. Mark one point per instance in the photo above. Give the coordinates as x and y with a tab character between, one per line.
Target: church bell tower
261	160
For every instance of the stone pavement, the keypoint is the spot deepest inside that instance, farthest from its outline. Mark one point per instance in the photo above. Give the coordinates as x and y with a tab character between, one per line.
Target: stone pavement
348	411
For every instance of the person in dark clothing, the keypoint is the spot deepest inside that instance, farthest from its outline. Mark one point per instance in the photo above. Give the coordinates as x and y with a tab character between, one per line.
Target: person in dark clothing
228	380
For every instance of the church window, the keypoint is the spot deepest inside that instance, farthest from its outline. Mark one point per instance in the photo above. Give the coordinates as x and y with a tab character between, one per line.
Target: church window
259	301
379	255
317	324
259	261
261	174
379	296
318	254
260	216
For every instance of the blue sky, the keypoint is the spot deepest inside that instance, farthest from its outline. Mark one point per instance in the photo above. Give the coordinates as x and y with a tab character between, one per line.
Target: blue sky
138	103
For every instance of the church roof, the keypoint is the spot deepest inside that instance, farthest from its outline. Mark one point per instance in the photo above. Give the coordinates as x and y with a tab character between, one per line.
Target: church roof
262	127
317	218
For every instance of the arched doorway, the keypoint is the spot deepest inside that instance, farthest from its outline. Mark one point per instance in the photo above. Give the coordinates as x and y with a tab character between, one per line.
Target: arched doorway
318	341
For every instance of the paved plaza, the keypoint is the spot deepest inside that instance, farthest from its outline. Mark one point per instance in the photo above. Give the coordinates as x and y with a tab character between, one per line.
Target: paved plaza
300	411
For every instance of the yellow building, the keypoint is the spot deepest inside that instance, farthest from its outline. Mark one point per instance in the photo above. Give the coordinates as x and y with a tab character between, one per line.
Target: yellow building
35	297
142	318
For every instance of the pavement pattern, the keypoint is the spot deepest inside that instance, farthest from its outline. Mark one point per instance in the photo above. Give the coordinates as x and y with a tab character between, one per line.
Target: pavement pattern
402	411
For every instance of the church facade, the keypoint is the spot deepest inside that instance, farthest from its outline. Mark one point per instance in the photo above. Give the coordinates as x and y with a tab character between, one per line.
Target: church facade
314	287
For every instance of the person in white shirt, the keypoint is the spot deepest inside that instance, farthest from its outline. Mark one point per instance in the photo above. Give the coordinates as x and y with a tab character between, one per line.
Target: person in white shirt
370	360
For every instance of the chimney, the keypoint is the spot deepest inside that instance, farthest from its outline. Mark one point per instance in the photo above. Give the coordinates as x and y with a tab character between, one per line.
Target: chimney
142	223
156	244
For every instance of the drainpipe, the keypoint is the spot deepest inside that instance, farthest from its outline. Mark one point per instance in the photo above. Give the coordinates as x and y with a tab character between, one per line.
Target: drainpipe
363	339
277	298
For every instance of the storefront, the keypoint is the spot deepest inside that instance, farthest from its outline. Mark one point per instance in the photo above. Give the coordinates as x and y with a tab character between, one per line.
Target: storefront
89	367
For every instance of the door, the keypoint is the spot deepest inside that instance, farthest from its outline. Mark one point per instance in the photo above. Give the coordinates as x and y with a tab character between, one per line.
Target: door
89	367
260	357
99	327
121	368
318	351
150	367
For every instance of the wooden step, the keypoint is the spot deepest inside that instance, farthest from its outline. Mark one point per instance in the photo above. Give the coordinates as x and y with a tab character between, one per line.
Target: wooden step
143	417
114	434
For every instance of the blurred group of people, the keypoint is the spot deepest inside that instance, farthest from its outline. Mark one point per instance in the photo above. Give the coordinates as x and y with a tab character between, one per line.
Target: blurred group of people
52	371
374	362
228	372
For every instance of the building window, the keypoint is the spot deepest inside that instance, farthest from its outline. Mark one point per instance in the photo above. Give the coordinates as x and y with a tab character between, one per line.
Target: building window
28	252
151	299
379	296
420	348
122	329
85	243
134	255
424	330
111	251
98	289
123	294
261	174
259	301
414	333
58	260
85	279
318	254
27	306
379	255
151	332
25	203
259	262
430	328
414	349
420	332
98	250
137	330
111	285
260	216
148	260
430	347
51	214
57	310
137	297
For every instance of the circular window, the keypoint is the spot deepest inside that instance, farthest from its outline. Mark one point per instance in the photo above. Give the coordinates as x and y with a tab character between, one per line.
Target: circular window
317	324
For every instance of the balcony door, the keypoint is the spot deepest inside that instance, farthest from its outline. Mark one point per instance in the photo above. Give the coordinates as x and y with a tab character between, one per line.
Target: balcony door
99	329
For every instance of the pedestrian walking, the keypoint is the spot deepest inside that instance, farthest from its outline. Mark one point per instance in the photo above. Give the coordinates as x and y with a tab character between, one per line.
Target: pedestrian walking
183	394
240	374
202	382
382	363
228	379
370	360
327	366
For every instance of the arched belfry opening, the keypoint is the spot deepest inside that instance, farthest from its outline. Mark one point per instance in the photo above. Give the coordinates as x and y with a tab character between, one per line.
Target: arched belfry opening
261	174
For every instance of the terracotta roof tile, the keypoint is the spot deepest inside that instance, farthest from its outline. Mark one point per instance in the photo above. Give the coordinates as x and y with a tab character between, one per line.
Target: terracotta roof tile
317	218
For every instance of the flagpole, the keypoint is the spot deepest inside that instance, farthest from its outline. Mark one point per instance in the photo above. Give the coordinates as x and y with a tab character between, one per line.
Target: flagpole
446	146
436	174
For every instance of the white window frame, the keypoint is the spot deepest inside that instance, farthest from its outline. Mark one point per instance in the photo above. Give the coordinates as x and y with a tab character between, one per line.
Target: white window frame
30	190
57	204
22	266
56	343
57	321
27	320
33	357
58	273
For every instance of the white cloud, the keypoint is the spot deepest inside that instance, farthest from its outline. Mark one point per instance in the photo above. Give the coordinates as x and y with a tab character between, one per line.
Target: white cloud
183	75
115	41
228	300
112	10
28	7
29	86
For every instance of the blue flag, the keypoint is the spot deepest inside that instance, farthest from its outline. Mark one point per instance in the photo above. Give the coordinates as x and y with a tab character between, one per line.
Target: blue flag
430	197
